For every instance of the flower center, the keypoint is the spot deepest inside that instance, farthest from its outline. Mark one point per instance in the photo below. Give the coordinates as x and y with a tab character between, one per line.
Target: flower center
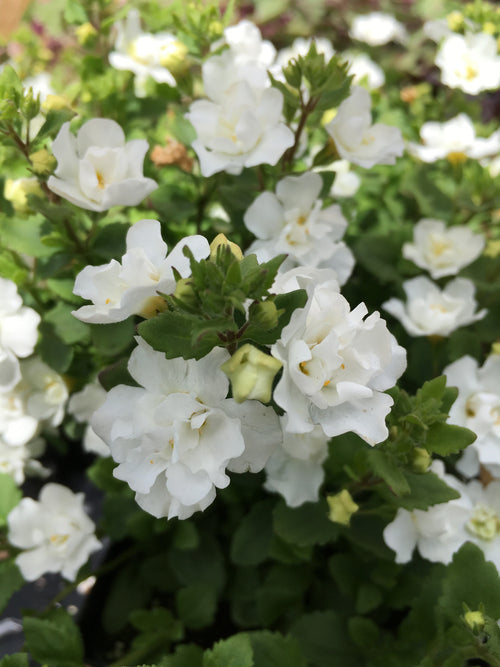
100	180
484	523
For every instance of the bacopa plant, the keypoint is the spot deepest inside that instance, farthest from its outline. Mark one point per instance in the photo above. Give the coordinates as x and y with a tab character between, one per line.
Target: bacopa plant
250	335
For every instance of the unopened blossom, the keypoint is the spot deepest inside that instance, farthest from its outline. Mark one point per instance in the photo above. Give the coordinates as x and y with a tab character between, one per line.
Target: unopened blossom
364	69
175	434
246	45
292	221
442	250
242	128
430	311
336	367
357	140
18	333
440	531
477	407
17	190
98	169
470	62
82	406
251	373
146	54
295	469
132	286
455	140
377	29
55	533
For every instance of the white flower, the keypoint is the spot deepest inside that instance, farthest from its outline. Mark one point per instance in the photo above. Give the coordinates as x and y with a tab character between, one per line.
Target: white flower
442	250
246	45
455	139
357	140
377	28
145	54
346	182
119	290
82	406
336	367
469	62
363	67
18	333
97	169
55	533
44	391
436	29
243	129
292	221
440	531
19	460
478	408
295	469
430	311
17	425
175	434
223	72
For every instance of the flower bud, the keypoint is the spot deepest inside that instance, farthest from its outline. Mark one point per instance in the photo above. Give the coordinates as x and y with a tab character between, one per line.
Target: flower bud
42	162
30	105
495	348
55	103
221	240
263	314
342	507
17	191
174	58
475	620
86	34
185	292
421	460
251	373
455	20
489	28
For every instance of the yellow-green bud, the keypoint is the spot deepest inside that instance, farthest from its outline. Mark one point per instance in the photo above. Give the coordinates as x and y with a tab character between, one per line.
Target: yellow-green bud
492	248
263	314
251	373
489	28
30	105
215	29
42	162
219	240
475	620
55	103
86	34
184	290
17	191
495	348
174	57
455	20
421	459
342	507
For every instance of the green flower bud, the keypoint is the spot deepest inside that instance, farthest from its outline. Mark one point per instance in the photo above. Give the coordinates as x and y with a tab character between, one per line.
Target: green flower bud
263	314
475	620
30	105
251	373
219	240
86	34
185	292
421	460
342	507
43	162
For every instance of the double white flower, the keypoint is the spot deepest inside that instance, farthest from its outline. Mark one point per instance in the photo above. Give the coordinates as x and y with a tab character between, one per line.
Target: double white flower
118	290
377	29
357	140
175	434
292	221
430	311
478	408
469	62
55	533
336	367
97	169
442	250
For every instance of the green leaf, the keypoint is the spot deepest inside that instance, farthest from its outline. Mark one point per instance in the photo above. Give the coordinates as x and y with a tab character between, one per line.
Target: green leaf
387	468
186	655
305	525
53	122
111	339
55	640
282	592
444	439
203	565
129	591
233	652
252	540
11	580
53	350
157	627
68	328
15	660
285	304
196	605
271	649
425	490
324	640
23	235
10	495
472	580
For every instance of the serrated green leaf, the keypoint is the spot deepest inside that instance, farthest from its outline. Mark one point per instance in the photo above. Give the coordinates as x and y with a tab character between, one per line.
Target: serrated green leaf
10	495
54	641
252	540
425	490
387	468
186	655
196	605
444	439
324	640
282	592
233	652
11	580
15	660
305	525
271	649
